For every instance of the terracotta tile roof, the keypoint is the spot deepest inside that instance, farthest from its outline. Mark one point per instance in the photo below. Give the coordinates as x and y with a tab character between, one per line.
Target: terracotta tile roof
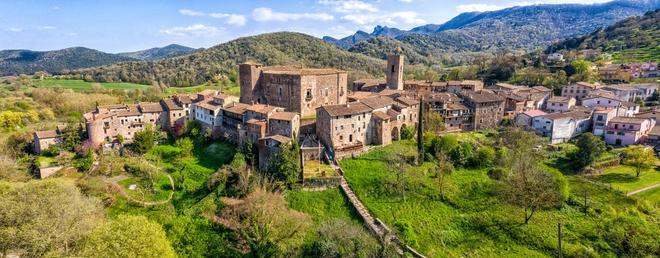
392	113
279	138
286	116
237	108
559	99
456	106
534	113
380	115
209	105
408	101
170	104
360	94
589	85
346	109
261	108
378	102
151	107
628	120
49	134
541	89
483	96
578	114
184	99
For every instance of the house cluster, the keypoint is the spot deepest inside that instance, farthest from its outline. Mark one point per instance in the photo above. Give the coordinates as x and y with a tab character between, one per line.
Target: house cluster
603	110
278	104
627	72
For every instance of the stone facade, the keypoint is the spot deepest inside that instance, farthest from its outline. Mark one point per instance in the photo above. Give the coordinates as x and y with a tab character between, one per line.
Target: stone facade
44	139
579	90
394	72
487	109
350	127
299	90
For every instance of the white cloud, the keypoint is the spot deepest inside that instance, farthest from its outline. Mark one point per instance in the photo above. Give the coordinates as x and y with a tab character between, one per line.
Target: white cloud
406	1
396	18
188	12
266	14
15	29
232	19
47	27
192	30
349	6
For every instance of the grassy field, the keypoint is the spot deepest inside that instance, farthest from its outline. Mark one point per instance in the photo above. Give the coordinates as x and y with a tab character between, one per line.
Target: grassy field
145	191
624	178
315	169
80	85
472	221
323	205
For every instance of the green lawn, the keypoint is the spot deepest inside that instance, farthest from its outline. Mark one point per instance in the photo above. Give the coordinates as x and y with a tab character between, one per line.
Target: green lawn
323	205
80	85
624	178
472	220
231	90
315	169
159	191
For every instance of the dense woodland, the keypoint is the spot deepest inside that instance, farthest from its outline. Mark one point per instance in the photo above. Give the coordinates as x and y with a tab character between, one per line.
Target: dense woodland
632	33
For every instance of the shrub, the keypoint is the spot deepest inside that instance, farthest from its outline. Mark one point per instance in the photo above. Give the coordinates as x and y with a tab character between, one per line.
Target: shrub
496	173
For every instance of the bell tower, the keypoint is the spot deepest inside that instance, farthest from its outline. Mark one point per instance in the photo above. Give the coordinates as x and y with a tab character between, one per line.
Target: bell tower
394	71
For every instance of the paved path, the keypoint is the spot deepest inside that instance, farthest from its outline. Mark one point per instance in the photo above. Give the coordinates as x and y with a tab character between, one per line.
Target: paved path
643	189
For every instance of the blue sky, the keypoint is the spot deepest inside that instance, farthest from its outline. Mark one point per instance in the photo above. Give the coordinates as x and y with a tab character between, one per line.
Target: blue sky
125	25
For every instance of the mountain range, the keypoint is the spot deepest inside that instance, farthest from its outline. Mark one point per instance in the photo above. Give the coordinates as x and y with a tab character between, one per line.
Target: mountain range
21	61
520	27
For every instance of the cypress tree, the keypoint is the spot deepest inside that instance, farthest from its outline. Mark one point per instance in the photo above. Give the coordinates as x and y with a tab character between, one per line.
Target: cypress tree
420	131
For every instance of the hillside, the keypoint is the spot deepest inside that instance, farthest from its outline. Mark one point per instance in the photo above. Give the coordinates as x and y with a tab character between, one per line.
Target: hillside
380	47
635	33
281	48
158	53
522	27
14	62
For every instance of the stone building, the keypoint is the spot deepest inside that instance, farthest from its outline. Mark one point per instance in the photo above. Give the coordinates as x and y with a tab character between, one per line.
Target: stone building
296	89
579	90
462	86
394	72
44	139
107	122
615	73
487	109
348	128
562	127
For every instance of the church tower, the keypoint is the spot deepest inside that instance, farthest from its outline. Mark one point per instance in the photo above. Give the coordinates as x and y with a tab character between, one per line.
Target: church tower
394	71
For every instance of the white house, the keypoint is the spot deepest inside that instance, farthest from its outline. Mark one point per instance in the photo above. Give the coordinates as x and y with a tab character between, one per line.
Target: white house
559	104
632	92
610	102
561	127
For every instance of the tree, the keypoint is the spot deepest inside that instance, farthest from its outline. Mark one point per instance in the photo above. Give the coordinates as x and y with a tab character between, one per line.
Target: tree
420	132
443	168
265	222
284	165
45	217
639	157
433	122
143	140
531	188
485	157
186	145
590	147
128	236
339	238
398	164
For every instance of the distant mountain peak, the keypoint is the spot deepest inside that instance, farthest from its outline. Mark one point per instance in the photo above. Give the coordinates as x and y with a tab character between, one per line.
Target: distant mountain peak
158	53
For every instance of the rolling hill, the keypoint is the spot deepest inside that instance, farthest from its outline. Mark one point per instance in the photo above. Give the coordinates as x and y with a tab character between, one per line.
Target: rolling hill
634	34
14	62
158	53
281	48
521	27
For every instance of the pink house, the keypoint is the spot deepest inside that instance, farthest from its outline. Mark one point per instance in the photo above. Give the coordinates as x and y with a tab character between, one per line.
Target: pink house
624	131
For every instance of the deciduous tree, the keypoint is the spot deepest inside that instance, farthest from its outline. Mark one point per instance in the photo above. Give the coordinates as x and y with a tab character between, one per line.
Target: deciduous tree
639	157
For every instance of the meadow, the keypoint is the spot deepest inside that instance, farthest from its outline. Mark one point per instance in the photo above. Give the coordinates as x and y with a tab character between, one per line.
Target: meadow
623	178
80	85
473	221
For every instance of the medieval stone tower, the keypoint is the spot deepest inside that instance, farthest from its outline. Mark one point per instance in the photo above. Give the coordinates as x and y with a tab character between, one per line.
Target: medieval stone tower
394	71
248	74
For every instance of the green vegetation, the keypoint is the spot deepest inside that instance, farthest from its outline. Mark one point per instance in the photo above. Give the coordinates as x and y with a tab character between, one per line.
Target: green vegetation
631	40
323	206
314	168
281	48
473	220
80	85
623	178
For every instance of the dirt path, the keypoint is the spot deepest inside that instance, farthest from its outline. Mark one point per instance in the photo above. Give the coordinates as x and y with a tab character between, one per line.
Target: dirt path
115	182
643	189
